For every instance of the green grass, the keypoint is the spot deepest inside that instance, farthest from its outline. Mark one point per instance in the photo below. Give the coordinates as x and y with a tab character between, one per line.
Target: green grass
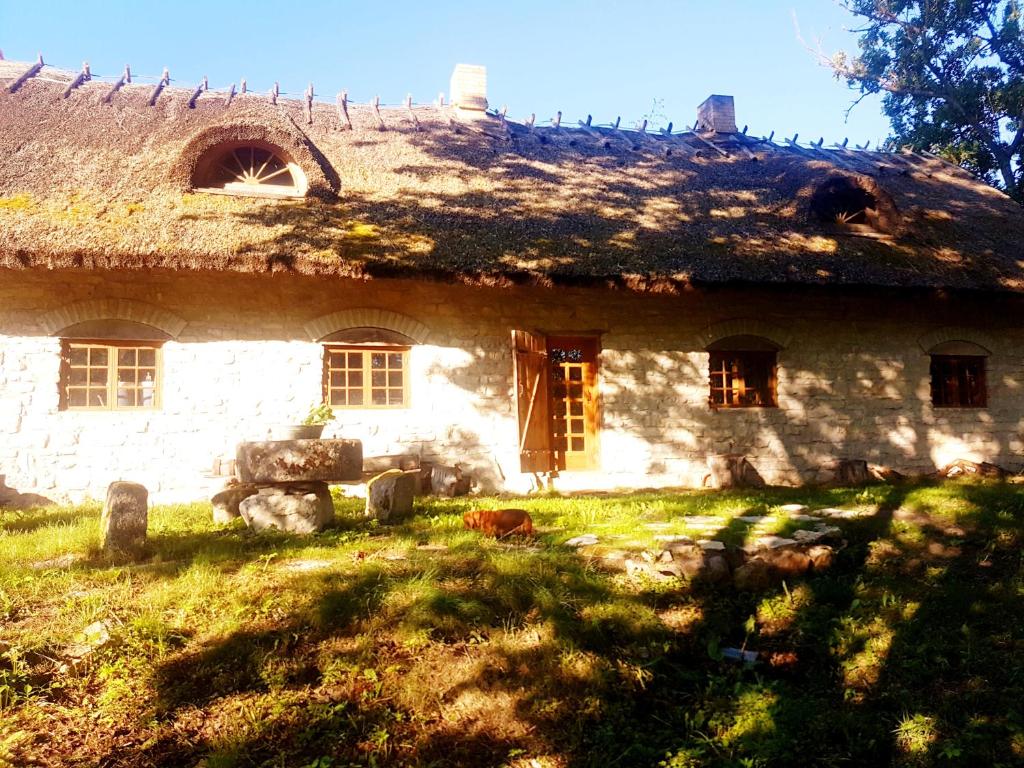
425	645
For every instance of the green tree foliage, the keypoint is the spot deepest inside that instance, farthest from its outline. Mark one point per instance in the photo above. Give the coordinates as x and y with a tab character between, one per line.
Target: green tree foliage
952	75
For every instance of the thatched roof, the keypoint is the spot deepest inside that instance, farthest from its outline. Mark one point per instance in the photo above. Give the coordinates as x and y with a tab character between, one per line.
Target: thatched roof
90	184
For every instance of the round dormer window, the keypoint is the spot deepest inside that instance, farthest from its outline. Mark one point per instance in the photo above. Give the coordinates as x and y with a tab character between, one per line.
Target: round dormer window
251	168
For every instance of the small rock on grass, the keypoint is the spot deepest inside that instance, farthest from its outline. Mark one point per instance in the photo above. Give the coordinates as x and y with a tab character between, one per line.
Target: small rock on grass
586	540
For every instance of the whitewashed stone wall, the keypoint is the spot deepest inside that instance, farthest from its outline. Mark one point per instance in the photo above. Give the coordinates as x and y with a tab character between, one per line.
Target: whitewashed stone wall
853	382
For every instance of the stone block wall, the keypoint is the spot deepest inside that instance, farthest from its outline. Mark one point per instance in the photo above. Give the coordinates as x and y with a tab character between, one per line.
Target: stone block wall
853	380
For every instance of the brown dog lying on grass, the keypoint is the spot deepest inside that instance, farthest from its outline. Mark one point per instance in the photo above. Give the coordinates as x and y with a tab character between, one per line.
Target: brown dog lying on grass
499	523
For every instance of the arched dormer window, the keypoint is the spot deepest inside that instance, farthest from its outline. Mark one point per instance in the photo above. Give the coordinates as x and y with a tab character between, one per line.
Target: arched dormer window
855	205
249	168
742	372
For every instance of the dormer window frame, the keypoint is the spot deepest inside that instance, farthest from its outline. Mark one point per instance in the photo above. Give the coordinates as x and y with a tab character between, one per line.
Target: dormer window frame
254	164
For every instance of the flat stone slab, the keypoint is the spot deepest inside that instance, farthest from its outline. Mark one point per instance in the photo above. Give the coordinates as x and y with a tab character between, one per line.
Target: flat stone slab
770	542
586	540
793	509
842	514
703	520
286	461
752	519
301	510
672	538
716	546
808	537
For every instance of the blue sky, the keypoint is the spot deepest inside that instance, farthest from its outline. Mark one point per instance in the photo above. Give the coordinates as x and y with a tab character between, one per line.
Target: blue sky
600	57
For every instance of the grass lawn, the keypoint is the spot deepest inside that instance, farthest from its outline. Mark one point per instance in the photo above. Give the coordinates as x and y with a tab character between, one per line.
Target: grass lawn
426	645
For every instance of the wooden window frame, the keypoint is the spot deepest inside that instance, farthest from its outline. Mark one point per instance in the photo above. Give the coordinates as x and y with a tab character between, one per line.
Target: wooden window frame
113	347
717	359
367	376
958	364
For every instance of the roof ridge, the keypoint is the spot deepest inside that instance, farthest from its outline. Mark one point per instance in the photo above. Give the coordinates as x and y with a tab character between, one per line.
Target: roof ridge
688	141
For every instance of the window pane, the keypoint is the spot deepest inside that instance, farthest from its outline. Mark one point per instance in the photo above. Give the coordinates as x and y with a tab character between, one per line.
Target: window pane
337	397
79	356
126	376
395	360
147	358
577	443
355	379
97	376
355	397
78	376
394	378
377	359
126	357
395	397
380	397
337	379
355	359
98	397
98	356
77	397
379	378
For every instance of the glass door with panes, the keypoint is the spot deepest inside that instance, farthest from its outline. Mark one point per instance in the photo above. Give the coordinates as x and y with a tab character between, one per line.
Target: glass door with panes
574	415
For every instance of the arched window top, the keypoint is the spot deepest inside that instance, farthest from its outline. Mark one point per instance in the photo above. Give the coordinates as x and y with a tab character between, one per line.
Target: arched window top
367	335
114	330
959	348
743	343
249	168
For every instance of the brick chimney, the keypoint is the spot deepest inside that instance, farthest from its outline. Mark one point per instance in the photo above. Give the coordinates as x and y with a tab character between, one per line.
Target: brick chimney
469	89
717	113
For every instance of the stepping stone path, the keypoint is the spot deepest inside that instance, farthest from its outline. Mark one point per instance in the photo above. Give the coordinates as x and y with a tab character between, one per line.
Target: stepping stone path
753	519
586	540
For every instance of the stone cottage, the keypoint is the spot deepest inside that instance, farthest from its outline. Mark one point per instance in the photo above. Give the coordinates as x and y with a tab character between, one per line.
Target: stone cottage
594	306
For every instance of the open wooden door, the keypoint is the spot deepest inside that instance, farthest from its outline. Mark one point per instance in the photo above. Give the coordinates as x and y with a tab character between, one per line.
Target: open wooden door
533	401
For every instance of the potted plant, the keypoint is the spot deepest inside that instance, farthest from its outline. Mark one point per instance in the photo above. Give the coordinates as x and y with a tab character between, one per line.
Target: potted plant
311	427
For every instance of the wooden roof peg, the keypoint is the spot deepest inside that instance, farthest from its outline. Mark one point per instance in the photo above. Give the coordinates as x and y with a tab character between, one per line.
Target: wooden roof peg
821	140
274	92
669	129
642	128
165	80
195	94
503	117
530	121
376	113
556	122
242	86
80	78
230	96
617	121
771	136
744	131
862	146
412	115
343	119
1	54
309	104
126	77
440	99
28	73
589	120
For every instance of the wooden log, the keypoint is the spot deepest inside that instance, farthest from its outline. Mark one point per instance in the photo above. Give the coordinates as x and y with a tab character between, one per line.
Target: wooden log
376	113
412	115
165	79
344	120
195	94
126	77
83	76
26	75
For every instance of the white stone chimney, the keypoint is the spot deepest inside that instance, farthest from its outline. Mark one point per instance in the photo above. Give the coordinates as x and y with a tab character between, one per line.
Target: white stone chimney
717	113
468	91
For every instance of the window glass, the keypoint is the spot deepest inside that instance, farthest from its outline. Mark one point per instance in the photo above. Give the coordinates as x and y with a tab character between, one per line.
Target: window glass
742	379
101	375
958	381
371	376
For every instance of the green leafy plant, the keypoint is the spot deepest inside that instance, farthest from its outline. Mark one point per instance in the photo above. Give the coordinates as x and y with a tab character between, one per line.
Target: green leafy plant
319	414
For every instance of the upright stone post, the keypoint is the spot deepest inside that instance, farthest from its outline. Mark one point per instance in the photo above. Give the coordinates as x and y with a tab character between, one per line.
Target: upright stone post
125	518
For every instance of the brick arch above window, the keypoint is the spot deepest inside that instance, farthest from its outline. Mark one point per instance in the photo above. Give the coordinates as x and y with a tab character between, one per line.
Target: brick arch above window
743	326
945	338
367	317
129	310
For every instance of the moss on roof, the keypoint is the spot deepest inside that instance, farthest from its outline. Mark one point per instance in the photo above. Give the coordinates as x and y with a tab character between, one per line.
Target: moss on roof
94	185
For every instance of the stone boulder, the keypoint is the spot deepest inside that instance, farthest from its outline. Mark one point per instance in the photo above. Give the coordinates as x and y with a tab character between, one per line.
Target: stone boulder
125	518
293	508
225	502
754	575
389	495
289	461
